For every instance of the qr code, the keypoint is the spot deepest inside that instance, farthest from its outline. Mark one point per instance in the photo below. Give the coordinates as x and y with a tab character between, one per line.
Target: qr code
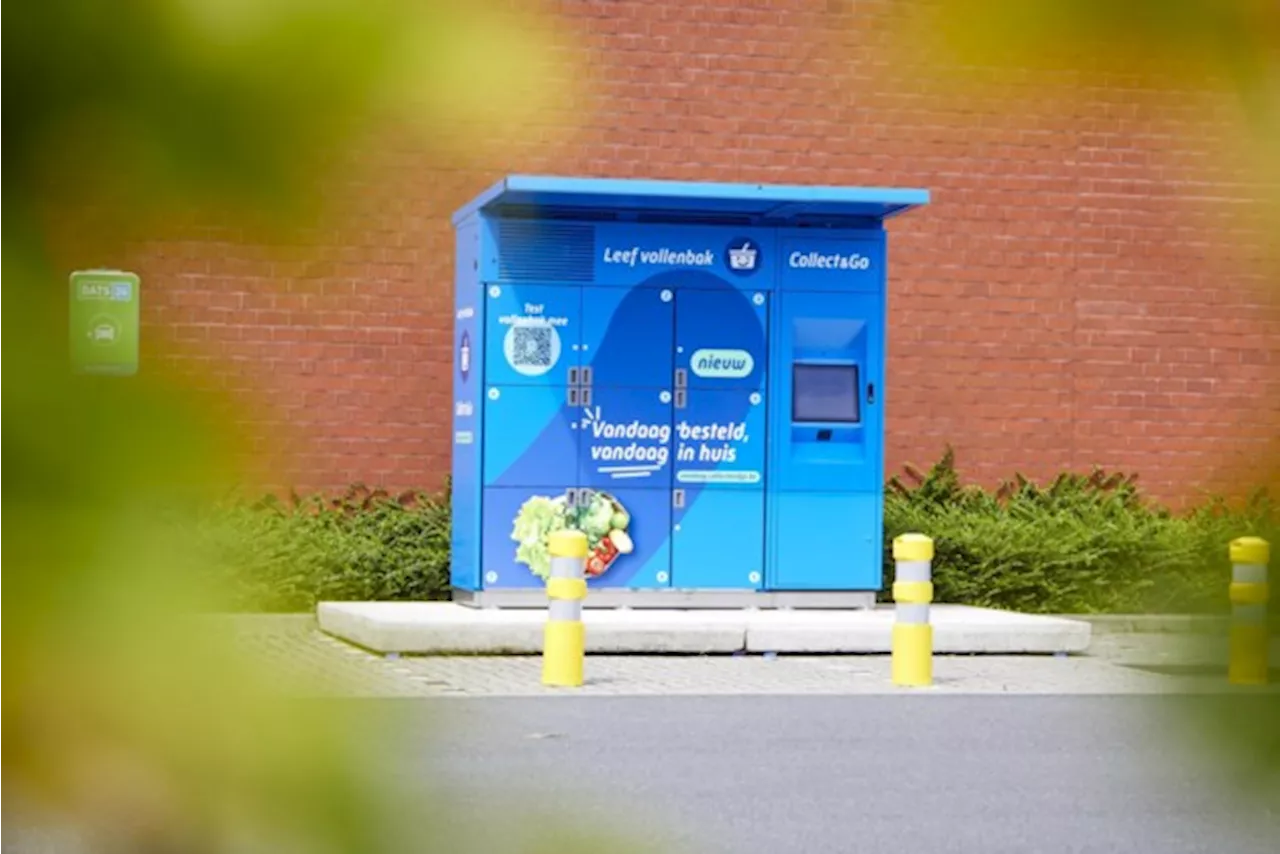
531	346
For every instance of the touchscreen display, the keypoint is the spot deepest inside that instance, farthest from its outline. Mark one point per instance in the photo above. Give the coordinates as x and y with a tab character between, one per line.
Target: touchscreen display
825	393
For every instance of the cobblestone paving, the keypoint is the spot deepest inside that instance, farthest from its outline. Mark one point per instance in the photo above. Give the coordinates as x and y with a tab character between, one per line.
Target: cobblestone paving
304	660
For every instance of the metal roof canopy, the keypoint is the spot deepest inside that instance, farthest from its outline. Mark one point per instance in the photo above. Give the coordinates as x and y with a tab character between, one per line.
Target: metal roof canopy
544	197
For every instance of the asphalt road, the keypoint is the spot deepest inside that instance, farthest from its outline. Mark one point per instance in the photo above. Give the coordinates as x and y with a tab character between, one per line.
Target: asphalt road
977	774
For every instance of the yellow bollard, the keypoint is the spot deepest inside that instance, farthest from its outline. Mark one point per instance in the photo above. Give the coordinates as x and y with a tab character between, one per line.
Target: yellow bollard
564	641
912	642
1249	639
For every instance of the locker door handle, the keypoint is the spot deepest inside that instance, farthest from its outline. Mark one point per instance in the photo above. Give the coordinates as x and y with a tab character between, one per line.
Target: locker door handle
871	392
586	376
573	395
681	398
573	376
677	498
682	377
585	395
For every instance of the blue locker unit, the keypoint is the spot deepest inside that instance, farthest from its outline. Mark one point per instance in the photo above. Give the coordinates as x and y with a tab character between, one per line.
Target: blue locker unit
692	374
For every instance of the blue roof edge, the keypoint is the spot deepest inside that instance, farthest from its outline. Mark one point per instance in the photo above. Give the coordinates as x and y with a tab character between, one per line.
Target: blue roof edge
895	200
478	202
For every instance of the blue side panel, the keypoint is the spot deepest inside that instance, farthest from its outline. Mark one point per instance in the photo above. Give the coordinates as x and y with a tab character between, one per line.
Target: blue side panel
720	439
720	337
825	541
533	334
718	541
530	436
501	505
649	563
468	344
626	336
625	439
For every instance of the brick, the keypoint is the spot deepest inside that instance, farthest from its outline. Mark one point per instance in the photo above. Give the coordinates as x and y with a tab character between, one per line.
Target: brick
1083	283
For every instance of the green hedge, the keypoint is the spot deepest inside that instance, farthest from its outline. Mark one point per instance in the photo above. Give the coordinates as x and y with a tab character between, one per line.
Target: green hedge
274	555
1084	543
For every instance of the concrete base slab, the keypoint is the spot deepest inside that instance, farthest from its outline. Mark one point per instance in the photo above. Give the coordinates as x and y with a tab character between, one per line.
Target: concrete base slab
957	629
446	627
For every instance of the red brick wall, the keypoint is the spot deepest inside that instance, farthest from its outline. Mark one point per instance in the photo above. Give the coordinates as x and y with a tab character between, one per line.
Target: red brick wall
1082	291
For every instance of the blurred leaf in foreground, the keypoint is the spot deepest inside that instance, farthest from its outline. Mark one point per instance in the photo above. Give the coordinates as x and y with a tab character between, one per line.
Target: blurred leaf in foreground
123	722
1229	52
154	107
1225	49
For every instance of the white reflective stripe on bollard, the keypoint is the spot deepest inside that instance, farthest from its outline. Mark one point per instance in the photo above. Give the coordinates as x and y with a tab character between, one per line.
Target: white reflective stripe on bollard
567	567
564	609
1249	573
912	614
913	570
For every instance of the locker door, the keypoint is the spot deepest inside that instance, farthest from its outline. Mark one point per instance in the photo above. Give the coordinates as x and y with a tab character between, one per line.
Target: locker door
647	530
530	436
720	338
627	337
532	334
719	438
718	491
507	562
625	438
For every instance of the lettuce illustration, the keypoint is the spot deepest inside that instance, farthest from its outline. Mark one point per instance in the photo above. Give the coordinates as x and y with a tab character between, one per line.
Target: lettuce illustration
536	520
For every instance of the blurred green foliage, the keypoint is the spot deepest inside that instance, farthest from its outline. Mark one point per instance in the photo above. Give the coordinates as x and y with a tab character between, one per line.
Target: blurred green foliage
1167	42
127	120
126	727
1081	544
1227	51
147	108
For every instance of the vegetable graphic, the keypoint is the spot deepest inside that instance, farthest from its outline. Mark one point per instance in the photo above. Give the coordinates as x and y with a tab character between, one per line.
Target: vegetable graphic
621	541
534	523
599	515
605	525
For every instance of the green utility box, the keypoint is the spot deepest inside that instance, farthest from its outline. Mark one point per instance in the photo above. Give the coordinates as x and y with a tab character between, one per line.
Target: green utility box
104	322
